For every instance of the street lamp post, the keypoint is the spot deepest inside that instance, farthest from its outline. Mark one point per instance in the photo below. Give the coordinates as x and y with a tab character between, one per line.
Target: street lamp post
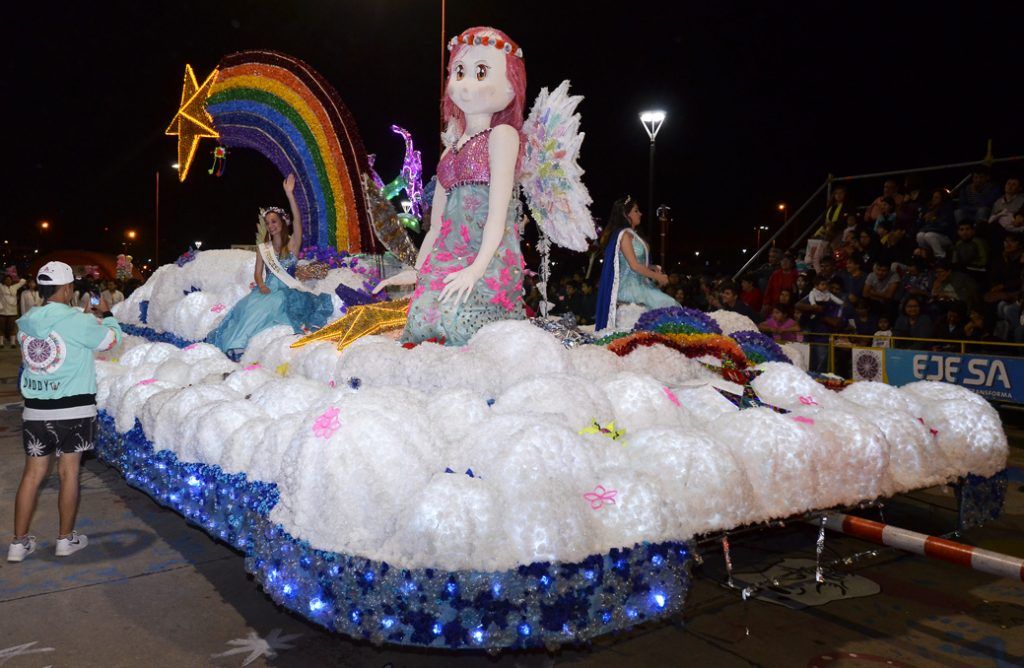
651	121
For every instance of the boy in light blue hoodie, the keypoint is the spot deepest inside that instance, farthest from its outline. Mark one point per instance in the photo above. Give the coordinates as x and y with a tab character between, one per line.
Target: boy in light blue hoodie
58	383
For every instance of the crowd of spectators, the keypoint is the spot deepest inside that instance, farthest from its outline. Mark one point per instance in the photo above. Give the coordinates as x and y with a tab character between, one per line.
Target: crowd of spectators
915	263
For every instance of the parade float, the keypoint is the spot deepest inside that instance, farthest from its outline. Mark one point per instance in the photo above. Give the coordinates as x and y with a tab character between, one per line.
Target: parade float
533	487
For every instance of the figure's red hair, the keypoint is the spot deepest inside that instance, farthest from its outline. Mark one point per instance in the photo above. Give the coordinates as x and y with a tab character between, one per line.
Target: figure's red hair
516	74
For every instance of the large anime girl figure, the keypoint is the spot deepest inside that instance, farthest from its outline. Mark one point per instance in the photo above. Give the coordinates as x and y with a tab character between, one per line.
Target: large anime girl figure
469	270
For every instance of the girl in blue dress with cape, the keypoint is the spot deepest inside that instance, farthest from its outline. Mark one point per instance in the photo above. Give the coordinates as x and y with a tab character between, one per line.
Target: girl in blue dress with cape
626	276
278	298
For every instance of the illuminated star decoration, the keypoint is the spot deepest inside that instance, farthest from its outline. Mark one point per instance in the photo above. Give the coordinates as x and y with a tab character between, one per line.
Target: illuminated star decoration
360	321
259	647
192	122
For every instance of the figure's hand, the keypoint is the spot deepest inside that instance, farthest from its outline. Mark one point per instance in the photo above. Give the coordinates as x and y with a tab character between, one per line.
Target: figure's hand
264	289
405	277
102	307
289	184
460	284
661	279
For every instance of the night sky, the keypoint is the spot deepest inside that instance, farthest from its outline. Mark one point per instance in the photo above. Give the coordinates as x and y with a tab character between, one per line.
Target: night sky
763	101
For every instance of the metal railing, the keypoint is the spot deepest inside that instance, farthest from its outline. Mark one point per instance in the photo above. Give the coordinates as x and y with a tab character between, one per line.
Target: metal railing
827	187
977	347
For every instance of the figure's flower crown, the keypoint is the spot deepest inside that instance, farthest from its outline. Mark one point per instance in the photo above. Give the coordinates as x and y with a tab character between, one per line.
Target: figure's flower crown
475	39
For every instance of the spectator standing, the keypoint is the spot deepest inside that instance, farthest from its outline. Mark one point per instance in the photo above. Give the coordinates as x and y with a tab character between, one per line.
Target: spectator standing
883	335
977	198
937	224
822	315
112	295
764	273
784	278
9	309
59	389
835	215
30	296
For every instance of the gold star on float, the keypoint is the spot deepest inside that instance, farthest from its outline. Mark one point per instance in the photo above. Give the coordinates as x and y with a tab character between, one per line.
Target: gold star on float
360	321
192	122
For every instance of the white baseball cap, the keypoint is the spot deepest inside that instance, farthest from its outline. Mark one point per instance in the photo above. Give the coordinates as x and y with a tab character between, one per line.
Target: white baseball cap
55	273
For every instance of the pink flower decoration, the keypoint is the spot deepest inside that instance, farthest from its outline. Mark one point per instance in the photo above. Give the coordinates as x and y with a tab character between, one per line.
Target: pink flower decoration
330	383
808	401
147	381
600	496
671	396
191	346
803	420
327	423
217	308
251	367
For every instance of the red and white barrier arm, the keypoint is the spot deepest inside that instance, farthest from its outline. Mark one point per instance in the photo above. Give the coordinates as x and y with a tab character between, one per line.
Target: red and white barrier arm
949	551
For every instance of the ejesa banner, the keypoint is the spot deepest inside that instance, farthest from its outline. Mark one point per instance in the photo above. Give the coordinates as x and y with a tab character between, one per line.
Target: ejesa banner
997	378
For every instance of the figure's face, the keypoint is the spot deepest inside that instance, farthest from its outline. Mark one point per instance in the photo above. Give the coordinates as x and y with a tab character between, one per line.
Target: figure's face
786	262
1012	187
839	195
8	281
634	216
979	179
889	188
881	271
912	308
965	232
479	80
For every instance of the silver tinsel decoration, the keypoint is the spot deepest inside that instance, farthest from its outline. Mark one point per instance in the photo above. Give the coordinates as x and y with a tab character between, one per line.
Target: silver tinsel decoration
564	329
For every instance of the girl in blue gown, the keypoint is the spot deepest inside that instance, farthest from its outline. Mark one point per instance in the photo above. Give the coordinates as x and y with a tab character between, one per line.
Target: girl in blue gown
273	302
626	276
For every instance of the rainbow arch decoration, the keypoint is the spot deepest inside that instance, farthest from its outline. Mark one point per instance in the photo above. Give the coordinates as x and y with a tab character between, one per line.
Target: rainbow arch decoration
282	108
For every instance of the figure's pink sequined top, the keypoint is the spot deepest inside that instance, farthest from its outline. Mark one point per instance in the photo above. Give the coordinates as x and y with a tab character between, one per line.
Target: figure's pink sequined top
469	164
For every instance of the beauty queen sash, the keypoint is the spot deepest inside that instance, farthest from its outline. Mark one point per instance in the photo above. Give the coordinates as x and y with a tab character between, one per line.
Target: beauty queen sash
270	260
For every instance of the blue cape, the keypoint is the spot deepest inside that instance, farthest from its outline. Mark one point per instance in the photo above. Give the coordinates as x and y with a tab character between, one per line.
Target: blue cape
607	284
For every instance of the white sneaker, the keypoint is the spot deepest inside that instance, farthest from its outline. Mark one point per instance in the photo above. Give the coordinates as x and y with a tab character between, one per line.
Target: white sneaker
21	549
68	546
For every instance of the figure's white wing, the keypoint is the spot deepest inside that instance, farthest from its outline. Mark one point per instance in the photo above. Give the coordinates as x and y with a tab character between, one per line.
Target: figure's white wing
550	174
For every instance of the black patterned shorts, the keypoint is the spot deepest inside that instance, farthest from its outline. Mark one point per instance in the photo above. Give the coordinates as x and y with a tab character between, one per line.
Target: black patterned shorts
43	438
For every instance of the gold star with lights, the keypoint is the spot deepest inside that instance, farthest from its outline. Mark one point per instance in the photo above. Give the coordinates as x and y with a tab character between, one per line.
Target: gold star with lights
192	122
360	321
